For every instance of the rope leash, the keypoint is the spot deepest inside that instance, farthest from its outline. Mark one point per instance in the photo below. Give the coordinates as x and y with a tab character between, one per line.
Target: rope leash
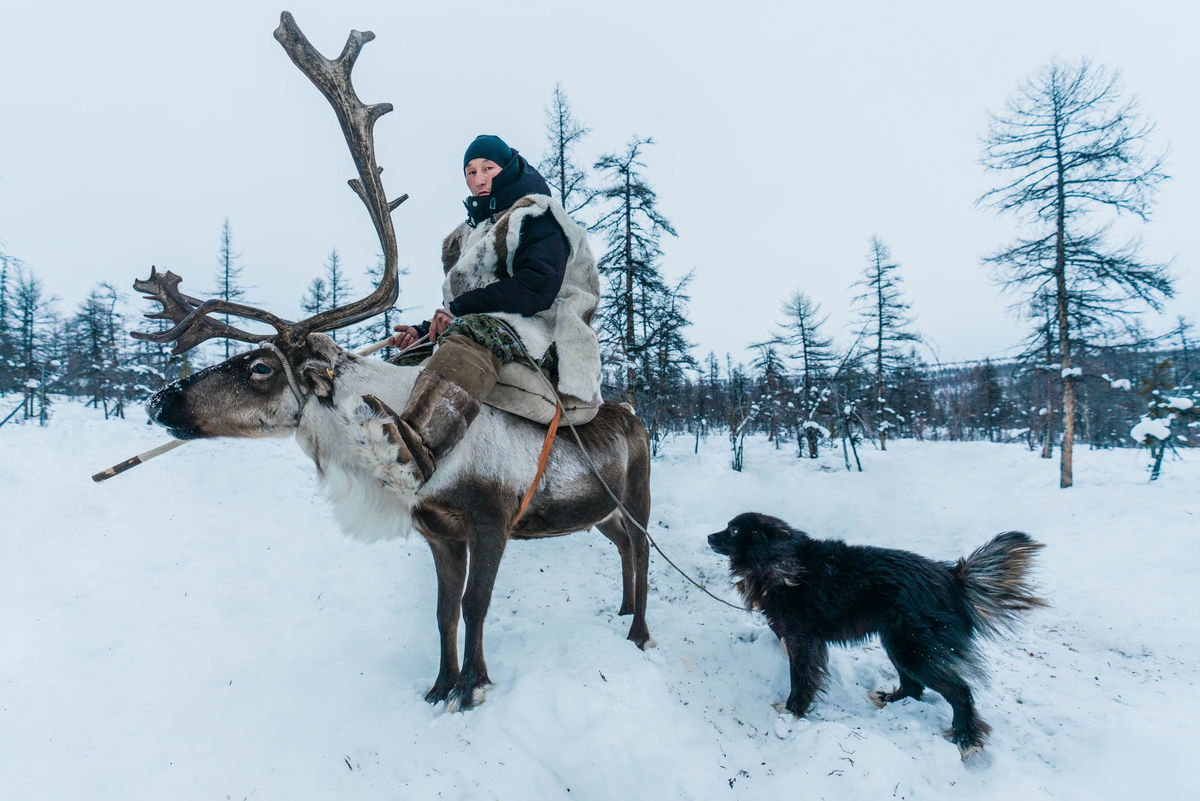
596	472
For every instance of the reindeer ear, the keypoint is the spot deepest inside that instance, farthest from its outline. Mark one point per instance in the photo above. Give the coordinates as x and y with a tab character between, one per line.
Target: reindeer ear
317	375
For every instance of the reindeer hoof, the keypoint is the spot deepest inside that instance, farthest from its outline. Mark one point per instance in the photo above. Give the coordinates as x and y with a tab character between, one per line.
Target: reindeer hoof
465	701
440	690
640	636
467	695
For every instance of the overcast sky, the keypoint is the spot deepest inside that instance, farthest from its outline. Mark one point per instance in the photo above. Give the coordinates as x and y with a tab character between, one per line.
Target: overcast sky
787	134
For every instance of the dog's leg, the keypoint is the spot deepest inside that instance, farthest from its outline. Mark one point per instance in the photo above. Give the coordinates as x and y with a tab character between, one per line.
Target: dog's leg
909	688
807	658
901	653
967	730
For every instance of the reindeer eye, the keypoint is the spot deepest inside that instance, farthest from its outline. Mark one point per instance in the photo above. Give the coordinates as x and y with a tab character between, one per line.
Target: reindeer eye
262	369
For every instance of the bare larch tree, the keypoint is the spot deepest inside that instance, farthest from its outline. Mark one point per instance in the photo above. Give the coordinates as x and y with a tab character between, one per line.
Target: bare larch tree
884	314
228	275
563	134
329	292
632	228
1069	143
803	341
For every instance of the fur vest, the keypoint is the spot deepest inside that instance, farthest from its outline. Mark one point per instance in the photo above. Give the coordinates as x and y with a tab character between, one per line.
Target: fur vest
471	258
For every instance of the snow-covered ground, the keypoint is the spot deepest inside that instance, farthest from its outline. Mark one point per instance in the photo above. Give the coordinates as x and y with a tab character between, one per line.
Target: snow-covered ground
197	628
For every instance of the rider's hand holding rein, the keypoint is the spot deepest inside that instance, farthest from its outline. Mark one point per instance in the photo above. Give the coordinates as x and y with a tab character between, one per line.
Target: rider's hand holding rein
437	325
408	334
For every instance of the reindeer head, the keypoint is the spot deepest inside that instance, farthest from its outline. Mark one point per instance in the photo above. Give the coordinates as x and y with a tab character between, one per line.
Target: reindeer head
264	392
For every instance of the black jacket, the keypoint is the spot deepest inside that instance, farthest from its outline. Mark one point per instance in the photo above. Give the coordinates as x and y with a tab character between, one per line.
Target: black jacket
541	256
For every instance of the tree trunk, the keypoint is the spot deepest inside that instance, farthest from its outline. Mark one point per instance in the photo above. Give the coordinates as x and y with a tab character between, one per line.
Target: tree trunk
1048	437
1064	340
1060	281
631	373
1157	451
878	360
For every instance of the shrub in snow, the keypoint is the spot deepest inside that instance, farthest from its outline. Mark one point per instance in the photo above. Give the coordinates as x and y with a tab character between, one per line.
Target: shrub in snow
1151	429
1167	410
810	425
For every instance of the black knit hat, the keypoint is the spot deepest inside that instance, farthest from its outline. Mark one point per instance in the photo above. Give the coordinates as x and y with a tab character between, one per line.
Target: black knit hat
490	147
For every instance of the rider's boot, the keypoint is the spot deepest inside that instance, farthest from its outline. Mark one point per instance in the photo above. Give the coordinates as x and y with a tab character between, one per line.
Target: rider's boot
444	402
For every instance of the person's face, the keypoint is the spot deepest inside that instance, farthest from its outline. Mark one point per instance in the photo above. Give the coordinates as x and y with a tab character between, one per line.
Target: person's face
480	173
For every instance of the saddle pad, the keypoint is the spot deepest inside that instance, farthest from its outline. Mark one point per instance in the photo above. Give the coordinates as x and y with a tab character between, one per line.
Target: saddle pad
521	391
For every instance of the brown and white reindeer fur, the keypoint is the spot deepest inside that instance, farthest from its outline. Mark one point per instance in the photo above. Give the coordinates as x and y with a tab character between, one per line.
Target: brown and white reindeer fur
299	381
468	508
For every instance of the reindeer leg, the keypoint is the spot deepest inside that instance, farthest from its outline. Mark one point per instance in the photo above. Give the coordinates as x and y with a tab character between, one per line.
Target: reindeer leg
615	529
450	559
637	501
487	547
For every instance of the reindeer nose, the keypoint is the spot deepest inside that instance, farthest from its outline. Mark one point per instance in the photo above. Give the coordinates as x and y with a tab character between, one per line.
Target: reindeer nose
161	401
167	408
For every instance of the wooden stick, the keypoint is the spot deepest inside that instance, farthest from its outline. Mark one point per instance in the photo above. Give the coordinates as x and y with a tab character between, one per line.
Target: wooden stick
175	443
383	343
135	461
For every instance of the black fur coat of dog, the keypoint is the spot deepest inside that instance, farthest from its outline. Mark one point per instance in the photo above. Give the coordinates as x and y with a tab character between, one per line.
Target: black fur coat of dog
927	614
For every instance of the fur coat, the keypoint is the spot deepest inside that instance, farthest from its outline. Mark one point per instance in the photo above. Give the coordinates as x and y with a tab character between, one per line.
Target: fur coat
475	257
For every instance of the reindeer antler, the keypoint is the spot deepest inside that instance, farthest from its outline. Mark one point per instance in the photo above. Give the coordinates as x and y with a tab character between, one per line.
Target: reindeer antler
192	324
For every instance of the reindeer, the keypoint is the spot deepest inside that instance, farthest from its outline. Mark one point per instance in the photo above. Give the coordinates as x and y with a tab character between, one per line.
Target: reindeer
299	381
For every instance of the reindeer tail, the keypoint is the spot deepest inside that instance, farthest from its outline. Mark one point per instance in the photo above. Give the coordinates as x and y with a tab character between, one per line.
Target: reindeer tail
995	579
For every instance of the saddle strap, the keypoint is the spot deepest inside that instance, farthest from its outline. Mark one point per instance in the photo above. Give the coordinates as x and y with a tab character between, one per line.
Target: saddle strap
545	457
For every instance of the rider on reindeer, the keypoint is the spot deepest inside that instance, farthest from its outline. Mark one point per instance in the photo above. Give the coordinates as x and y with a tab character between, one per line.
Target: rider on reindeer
520	279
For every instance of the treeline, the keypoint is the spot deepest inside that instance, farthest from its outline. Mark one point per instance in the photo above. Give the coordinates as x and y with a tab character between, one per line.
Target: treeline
1071	153
46	352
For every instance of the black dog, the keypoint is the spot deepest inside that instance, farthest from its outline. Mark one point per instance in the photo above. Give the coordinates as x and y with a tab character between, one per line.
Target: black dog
927	613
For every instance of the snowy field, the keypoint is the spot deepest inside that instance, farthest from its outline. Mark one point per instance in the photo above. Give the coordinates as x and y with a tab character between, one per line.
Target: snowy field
197	629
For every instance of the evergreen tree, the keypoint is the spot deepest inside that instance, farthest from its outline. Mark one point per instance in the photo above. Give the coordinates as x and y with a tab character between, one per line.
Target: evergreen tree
328	292
31	317
1068	144
227	277
6	323
563	134
316	298
988	398
100	369
381	326
804	342
639	309
771	381
885	315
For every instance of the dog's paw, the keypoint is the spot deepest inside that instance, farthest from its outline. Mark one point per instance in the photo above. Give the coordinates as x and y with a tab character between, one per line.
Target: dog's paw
969	751
879	698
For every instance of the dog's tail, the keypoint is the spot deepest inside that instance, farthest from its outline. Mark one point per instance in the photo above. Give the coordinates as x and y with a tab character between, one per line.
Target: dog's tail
996	582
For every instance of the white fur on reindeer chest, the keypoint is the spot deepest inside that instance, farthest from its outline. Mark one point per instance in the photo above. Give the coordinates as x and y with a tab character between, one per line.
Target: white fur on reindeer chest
373	496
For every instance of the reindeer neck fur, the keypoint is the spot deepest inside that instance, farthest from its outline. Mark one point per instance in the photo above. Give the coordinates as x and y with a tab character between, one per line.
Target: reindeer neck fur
373	496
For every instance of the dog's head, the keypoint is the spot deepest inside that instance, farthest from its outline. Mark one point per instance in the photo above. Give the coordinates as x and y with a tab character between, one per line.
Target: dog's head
757	544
